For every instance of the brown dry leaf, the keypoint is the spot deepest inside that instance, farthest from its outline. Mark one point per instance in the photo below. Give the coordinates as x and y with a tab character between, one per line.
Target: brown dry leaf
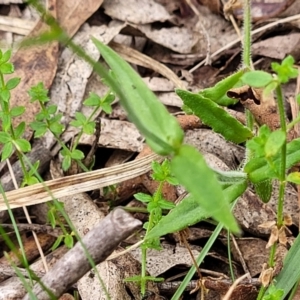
278	47
263	107
262	10
178	39
135	57
118	135
266	275
72	14
30	248
158	84
136	11
273	236
250	212
254	253
32	65
68	89
205	140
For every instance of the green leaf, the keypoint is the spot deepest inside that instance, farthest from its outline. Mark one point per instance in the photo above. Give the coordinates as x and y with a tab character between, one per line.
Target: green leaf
77	154
56	128
285	70
162	131
191	170
69	241
51	109
172	180
22	145
89	127
257	79
259	170
80	117
274	143
218	92
17	111
32	180
40	128
215	117
7	151
290	273
165	204
5	57
57	242
38	93
19	130
189	212
294	177
106	108
143	197
66	163
12	83
7	68
264	190
257	144
5	95
92	100
4	137
273	293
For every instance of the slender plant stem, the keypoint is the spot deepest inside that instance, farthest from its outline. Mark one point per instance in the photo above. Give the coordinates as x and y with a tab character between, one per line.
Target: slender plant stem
229	257
247	34
283	156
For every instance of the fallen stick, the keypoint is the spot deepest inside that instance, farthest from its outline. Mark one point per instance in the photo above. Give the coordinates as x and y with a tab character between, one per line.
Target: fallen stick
99	242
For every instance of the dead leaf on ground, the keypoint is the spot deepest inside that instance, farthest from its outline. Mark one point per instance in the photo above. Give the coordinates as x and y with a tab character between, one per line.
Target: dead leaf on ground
278	47
141	12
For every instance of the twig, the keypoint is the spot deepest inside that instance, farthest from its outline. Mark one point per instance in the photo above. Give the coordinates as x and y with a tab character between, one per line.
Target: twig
99	242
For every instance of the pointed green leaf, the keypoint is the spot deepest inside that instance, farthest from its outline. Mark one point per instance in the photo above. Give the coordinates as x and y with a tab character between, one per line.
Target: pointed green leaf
22	145
143	197
17	111
162	131
259	170
218	92
189	212
7	151
215	117
12	83
274	143
191	170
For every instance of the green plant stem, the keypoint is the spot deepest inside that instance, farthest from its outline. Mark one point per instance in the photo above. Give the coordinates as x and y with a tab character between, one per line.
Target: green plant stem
282	179
12	218
199	260
282	174
247	34
261	293
272	255
229	256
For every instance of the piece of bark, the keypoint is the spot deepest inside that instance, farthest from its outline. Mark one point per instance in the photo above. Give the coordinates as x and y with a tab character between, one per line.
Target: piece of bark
99	242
